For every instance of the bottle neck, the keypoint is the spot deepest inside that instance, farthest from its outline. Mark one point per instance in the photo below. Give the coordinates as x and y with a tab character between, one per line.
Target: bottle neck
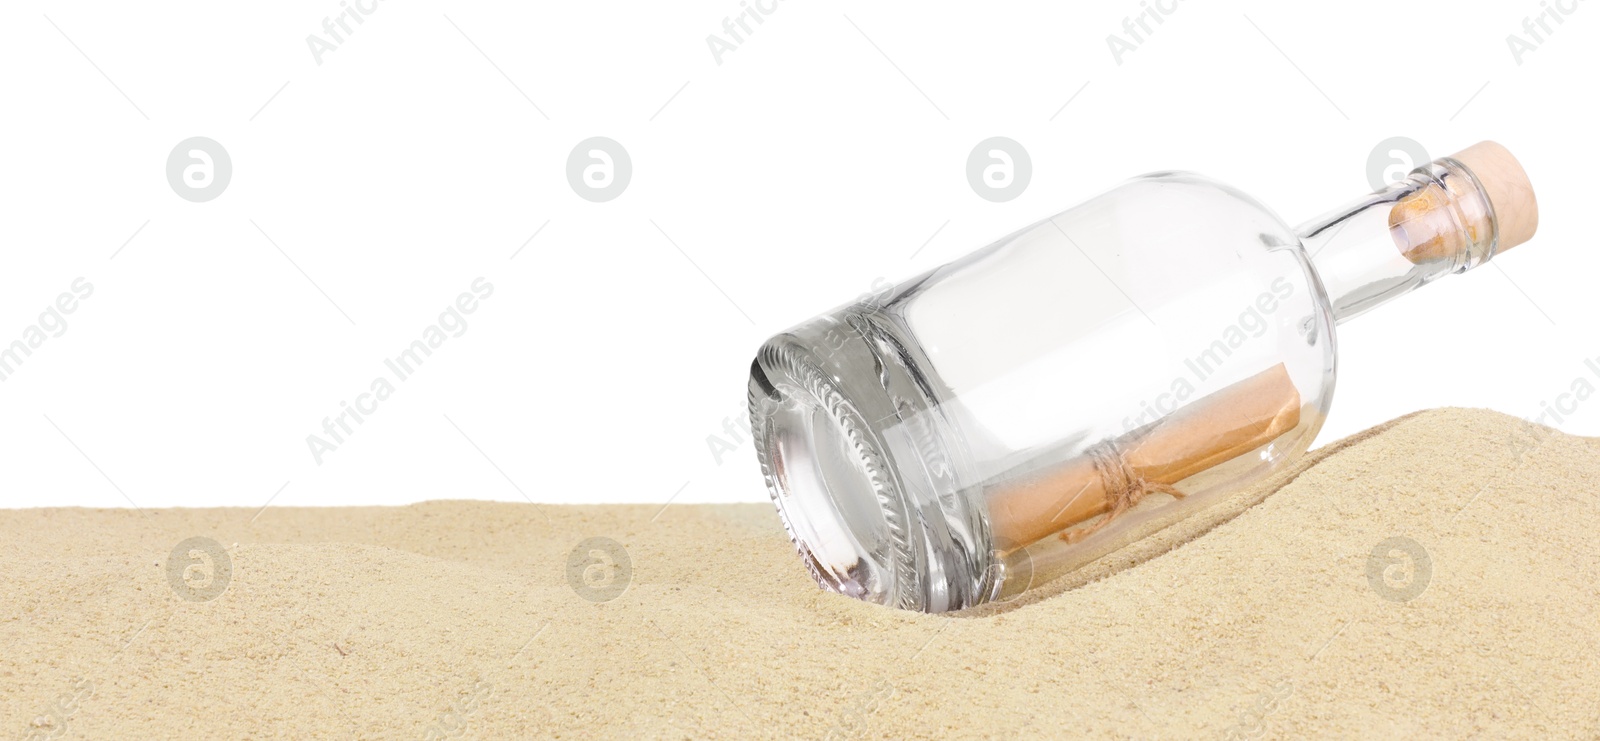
1436	221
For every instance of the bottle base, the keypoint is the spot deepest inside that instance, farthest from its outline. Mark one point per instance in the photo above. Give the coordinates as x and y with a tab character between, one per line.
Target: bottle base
859	466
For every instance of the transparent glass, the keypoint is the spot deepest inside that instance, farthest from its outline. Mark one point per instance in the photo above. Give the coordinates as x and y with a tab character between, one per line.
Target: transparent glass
1077	385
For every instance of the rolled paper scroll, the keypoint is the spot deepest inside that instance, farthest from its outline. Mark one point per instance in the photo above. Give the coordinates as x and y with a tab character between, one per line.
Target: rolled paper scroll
1212	430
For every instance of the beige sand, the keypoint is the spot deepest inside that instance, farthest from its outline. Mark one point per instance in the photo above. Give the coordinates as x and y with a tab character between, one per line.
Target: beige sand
457	617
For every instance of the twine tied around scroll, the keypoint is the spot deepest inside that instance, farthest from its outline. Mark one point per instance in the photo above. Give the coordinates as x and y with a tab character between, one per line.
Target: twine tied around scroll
1123	485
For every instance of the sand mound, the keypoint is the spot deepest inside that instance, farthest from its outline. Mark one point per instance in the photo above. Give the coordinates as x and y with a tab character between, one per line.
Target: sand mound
457	618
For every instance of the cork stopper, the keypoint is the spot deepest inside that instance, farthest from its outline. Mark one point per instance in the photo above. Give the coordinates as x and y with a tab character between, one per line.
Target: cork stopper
1510	193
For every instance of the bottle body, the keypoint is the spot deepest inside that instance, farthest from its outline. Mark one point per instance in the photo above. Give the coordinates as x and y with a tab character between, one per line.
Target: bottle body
927	441
1073	387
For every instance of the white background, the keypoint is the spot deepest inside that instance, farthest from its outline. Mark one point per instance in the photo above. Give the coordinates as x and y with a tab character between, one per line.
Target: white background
827	151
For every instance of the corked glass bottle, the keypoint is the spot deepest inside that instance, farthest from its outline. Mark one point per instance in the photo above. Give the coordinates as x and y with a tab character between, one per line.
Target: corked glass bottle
1091	379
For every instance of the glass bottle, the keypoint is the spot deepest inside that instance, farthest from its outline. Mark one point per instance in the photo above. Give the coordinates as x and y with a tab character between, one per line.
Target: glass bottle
1092	378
